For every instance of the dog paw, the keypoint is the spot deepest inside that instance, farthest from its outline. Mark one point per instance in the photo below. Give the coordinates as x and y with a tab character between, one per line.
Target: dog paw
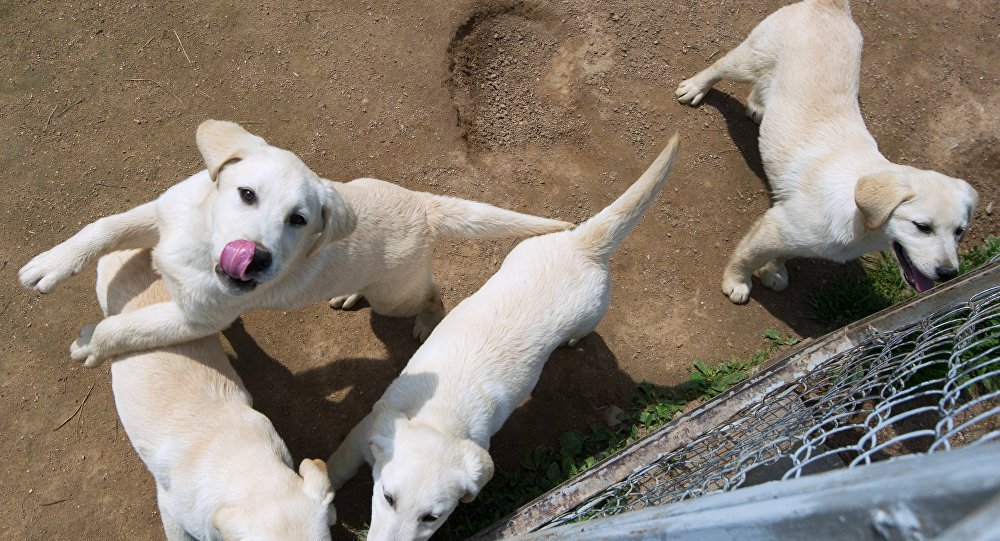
425	323
774	276
82	349
47	270
690	92
345	302
737	289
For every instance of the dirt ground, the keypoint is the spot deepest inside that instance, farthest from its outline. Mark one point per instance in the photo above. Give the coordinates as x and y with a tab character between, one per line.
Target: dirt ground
545	107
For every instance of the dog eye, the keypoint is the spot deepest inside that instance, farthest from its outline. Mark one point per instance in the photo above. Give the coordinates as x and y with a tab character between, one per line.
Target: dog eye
429	518
248	196
960	231
923	228
389	499
297	220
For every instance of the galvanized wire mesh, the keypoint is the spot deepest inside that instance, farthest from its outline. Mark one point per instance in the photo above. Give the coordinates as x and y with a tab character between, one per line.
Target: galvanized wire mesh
925	388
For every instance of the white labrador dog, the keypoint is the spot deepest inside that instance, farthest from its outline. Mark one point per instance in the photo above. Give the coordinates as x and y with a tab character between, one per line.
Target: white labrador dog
836	196
259	229
221	470
428	435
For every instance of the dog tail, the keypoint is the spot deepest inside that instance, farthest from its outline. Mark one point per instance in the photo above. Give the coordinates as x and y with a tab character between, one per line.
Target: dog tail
842	5
602	234
453	217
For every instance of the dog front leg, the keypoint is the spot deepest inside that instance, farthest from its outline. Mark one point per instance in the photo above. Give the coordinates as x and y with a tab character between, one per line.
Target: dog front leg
153	326
352	453
761	244
136	228
173	530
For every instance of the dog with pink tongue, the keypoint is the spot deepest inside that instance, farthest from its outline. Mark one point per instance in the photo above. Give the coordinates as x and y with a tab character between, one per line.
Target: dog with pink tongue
259	229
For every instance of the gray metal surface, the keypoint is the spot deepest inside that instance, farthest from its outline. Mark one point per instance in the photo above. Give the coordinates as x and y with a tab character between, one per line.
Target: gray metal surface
907	380
882	502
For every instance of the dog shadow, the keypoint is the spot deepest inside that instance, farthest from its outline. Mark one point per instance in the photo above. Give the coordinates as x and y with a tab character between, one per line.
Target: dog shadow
809	282
565	398
299	405
743	131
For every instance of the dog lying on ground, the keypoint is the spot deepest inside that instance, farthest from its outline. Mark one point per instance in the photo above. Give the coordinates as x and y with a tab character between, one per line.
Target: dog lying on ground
259	229
428	435
221	470
836	196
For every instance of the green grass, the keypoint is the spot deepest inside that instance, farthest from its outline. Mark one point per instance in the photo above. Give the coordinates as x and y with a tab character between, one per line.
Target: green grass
850	298
578	450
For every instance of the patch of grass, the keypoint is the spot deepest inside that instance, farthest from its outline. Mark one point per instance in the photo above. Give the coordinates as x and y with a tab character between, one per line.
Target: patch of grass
850	298
650	408
979	256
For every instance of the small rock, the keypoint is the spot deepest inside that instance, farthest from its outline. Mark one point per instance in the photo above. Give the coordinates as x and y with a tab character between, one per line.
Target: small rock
612	415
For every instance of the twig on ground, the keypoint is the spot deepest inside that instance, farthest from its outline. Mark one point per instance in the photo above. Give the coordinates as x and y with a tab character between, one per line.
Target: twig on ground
68	107
182	48
49	119
78	409
203	93
711	56
109	185
161	87
46	504
139	50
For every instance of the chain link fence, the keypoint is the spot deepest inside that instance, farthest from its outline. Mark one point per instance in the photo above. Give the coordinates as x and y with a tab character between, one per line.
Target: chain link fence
920	378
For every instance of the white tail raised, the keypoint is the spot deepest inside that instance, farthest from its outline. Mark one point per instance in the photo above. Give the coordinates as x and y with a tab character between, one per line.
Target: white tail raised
602	234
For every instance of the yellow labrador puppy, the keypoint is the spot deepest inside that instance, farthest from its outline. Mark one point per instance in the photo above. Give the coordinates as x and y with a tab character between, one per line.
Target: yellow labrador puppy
221	470
259	229
836	196
428	435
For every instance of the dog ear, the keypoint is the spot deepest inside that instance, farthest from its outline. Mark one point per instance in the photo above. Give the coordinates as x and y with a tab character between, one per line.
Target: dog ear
339	220
878	194
383	429
478	466
316	485
221	142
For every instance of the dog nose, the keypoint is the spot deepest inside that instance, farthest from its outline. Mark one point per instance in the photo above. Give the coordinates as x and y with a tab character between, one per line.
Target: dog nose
945	274
260	262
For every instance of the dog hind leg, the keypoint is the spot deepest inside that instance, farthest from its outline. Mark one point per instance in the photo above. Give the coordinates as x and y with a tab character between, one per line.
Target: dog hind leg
409	295
763	243
774	275
345	302
750	61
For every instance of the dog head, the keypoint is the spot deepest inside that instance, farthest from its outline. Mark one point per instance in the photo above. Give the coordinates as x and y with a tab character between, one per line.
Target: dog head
269	209
421	474
924	214
302	511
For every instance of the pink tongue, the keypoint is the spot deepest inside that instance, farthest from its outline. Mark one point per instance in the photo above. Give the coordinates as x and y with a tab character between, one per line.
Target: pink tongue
920	282
236	257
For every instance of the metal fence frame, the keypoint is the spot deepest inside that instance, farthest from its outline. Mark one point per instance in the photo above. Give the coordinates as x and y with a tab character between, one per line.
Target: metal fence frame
687	427
884	501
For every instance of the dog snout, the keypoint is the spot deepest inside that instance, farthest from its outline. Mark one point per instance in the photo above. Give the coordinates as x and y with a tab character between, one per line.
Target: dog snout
261	261
946	273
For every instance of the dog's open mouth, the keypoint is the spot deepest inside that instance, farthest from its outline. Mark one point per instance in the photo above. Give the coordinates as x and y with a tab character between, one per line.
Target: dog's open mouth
234	262
242	285
913	277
